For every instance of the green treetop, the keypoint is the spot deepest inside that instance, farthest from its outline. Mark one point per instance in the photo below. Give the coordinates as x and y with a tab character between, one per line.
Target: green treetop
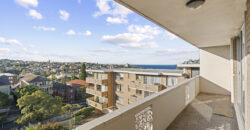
38	106
83	72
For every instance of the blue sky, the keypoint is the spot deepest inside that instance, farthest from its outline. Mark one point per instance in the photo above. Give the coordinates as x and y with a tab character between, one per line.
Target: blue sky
87	31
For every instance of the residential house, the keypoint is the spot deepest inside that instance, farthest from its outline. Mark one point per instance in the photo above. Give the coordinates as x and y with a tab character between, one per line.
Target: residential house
36	80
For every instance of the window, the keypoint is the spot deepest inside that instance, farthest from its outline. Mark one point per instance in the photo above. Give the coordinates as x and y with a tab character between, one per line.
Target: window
119	100
128	88
171	81
119	76
119	88
101	76
152	80
99	88
137	77
138	91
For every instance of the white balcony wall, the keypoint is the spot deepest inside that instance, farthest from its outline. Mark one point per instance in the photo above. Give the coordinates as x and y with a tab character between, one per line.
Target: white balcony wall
215	71
163	107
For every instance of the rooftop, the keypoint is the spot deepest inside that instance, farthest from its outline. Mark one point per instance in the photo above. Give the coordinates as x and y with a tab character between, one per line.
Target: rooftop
6	74
142	71
60	86
34	78
77	82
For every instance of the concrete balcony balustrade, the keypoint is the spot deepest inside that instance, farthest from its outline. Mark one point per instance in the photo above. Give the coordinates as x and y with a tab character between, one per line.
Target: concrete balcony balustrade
95	92
95	104
184	106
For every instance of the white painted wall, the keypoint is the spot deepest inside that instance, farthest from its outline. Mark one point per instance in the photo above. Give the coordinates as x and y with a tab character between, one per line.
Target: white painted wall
215	70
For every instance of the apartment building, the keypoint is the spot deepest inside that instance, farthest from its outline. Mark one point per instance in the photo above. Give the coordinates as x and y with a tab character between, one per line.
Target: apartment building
116	88
219	97
190	70
66	92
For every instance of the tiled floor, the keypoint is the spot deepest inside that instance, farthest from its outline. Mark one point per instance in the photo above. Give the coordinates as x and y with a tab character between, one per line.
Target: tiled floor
204	114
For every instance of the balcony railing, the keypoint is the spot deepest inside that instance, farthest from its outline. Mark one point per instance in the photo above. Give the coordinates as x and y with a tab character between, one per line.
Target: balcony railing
95	104
93	80
192	104
92	91
153	112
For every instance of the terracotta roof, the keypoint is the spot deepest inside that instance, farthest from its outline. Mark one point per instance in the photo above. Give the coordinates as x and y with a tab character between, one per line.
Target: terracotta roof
77	82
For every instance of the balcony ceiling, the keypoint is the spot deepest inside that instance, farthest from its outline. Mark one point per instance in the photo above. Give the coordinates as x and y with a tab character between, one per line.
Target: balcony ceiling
213	24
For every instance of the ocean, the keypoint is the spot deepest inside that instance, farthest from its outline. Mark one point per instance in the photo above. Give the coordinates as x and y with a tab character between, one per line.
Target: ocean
157	66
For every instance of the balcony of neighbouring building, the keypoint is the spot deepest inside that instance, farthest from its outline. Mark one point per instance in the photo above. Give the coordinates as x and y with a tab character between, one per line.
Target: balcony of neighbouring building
189	105
98	105
93	91
93	80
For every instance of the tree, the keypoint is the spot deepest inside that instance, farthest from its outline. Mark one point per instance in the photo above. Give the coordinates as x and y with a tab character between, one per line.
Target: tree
86	111
26	90
83	72
53	77
38	106
73	77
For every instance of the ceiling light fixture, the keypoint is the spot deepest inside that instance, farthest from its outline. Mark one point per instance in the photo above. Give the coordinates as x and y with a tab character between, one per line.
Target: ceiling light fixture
195	4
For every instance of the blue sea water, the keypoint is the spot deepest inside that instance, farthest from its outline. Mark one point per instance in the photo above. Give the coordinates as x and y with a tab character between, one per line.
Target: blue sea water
157	66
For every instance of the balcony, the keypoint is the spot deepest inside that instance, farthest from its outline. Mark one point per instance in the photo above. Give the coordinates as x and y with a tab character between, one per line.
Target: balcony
95	104
184	106
93	80
92	91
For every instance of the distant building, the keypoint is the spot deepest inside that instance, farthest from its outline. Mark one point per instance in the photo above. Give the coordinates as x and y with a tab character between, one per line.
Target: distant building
76	84
190	70
4	85
66	92
11	77
115	88
36	80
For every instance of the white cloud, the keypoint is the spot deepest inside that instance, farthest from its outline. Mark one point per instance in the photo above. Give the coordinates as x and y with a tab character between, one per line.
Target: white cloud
64	15
140	45
116	20
71	32
44	28
109	7
132	40
109	50
27	3
35	15
10	42
31	46
171	51
5	50
169	36
79	1
144	29
125	38
86	33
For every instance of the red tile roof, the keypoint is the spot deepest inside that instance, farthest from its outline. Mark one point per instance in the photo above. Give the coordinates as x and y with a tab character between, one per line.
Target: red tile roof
77	82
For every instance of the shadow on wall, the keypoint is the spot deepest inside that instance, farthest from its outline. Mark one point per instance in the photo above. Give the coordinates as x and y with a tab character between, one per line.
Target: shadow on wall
207	86
221	51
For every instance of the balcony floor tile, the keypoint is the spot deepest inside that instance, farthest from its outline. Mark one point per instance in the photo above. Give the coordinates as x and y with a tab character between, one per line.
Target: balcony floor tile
203	114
